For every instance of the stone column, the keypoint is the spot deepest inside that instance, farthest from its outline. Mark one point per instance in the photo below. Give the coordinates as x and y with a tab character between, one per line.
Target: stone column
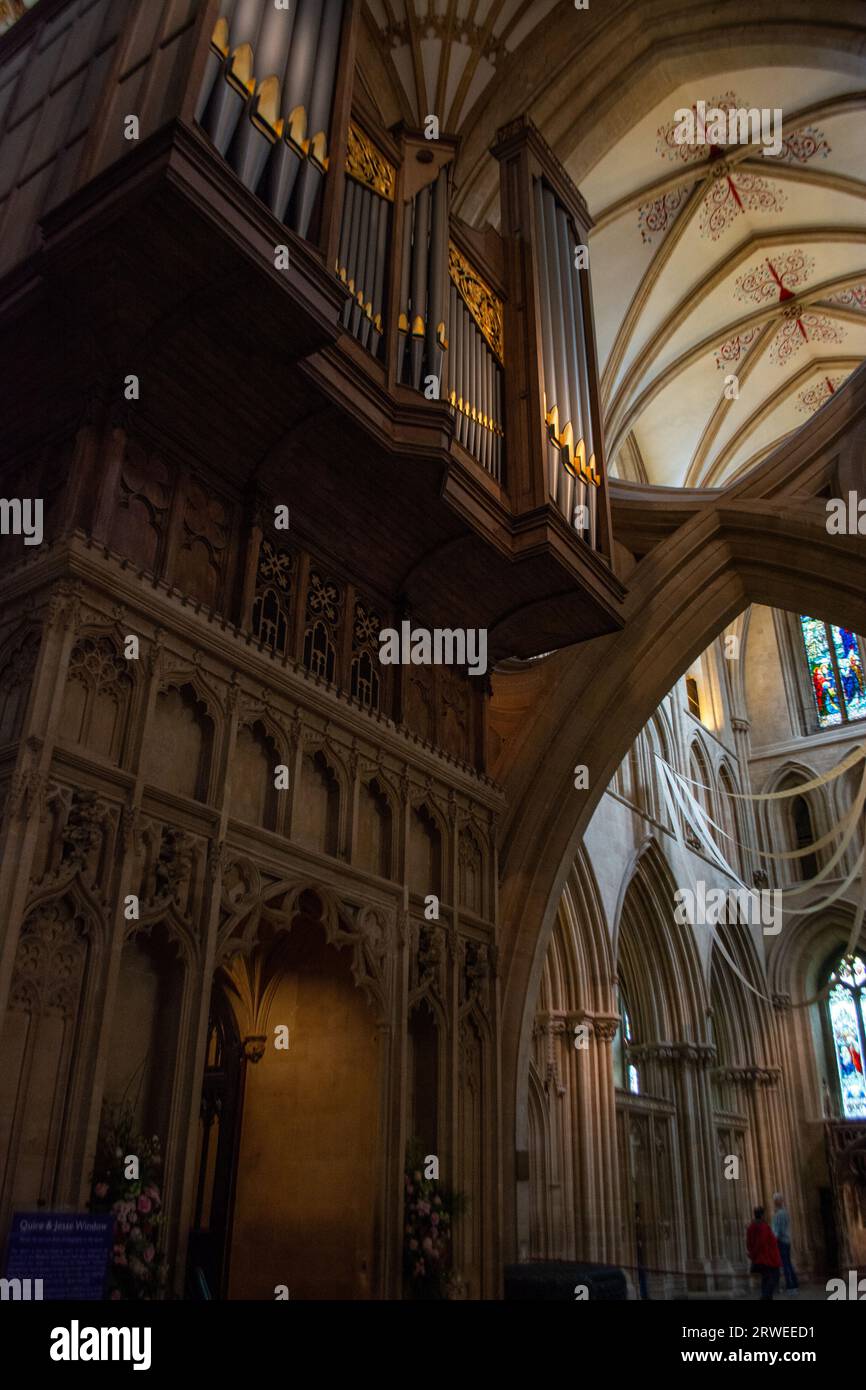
748	826
605	1244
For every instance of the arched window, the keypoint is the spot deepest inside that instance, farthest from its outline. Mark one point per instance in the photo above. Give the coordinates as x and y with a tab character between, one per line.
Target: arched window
846	1008
835	660
693	696
625	1072
801	819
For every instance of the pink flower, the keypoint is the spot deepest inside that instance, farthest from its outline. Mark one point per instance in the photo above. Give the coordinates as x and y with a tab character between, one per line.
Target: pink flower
101	1189
426	1243
413	1245
149	1254
434	1219
115	1293
144	1203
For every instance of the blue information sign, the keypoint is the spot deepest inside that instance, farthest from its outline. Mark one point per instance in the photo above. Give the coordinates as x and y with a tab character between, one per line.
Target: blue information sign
68	1251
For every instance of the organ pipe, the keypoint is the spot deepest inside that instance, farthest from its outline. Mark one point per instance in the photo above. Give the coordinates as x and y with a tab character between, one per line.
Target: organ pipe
345	247
255	136
420	252
377	211
564	362
294	146
218	52
438	273
361	254
549	405
379	278
229	97
405	288
325	72
266	97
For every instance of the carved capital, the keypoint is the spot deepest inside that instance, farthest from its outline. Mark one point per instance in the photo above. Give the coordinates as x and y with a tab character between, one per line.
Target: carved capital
253	1047
64	605
750	1076
673	1053
605	1027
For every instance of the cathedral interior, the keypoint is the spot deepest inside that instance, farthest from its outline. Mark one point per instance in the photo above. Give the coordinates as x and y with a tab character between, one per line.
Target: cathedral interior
338	318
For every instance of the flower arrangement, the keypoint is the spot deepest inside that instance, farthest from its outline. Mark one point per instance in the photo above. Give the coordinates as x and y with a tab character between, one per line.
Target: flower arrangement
138	1269
429	1212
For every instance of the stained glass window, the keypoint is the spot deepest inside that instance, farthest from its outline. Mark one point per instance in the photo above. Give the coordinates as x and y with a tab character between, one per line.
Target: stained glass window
847	1009
836	672
632	1077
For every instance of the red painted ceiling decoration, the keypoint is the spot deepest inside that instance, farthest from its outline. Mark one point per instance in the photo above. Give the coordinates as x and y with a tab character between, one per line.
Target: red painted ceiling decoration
802	328
813	397
776	278
736	347
660	214
853	298
733	190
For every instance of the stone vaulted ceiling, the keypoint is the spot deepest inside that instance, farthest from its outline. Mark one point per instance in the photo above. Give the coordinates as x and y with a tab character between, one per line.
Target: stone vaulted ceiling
729	285
706	262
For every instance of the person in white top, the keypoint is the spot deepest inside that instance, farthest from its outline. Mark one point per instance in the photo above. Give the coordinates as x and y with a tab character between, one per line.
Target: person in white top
782	1232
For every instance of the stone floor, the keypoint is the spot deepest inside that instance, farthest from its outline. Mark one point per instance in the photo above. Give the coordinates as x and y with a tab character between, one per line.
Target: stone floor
809	1293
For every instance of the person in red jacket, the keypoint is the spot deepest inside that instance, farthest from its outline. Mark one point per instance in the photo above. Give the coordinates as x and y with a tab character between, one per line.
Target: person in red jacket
763	1251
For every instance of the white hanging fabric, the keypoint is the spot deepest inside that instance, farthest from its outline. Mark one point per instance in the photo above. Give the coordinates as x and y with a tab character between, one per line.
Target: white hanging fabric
678	798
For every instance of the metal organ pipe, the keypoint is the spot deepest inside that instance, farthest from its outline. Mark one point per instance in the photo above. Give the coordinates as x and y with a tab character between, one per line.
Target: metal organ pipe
286	159
572	332
351	190
489	370
469	378
217	54
403	323
379	277
484	404
549	370
352	254
435	336
229	97
564	489
360	261
455	353
369	275
583	371
324	76
498	449
479	391
256	136
420	255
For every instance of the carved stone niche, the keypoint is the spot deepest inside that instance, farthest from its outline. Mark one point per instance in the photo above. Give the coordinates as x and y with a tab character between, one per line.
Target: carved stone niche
169	856
477	972
428	957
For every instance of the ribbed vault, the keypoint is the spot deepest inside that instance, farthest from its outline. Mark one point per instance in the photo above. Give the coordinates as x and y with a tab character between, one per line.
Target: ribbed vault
763	540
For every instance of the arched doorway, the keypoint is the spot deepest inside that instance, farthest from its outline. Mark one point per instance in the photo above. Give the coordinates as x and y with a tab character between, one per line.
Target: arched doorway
296	1179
